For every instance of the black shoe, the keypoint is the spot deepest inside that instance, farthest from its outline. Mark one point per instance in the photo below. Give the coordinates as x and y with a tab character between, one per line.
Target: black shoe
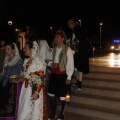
79	86
49	118
52	116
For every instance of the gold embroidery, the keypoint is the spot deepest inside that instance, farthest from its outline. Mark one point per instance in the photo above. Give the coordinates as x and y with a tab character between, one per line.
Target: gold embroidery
14	76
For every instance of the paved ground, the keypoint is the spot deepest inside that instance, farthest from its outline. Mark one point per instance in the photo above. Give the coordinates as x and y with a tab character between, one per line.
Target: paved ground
107	60
72	116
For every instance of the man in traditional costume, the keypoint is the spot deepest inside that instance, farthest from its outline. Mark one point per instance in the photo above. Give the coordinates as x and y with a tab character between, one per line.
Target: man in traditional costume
62	71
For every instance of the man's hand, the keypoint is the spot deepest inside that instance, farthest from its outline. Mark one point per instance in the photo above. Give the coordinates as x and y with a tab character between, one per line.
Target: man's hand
68	81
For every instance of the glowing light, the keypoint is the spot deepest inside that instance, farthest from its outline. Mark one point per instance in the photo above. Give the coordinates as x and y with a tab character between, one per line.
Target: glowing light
101	23
67	97
51	28
112	47
114	60
10	22
80	22
16	30
116	41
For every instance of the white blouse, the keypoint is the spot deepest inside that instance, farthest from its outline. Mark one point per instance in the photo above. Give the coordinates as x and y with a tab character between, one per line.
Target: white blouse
70	61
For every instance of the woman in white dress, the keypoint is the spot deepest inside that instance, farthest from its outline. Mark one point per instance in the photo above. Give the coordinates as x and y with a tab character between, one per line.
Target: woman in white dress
31	104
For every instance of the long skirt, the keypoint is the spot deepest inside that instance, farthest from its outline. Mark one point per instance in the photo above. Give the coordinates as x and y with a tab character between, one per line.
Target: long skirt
31	109
9	99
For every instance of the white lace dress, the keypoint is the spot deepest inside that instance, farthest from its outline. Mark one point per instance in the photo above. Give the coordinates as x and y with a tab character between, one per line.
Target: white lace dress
31	109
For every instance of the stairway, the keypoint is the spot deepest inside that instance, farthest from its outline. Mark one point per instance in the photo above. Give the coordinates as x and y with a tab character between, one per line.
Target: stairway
100	94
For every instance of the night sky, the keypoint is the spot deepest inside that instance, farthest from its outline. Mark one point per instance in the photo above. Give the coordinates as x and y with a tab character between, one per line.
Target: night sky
43	14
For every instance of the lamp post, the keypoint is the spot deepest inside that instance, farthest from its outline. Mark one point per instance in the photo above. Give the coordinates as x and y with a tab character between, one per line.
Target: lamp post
100	33
51	30
80	22
11	31
16	34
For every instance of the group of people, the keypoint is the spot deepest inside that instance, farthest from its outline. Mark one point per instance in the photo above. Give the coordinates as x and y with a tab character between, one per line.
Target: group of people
22	86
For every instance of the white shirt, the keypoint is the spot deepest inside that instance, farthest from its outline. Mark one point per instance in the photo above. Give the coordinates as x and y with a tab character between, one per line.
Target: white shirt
69	64
56	59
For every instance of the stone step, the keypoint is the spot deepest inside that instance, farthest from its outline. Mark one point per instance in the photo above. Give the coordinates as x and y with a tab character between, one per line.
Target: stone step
100	101
99	83
102	83
74	116
105	69
93	111
100	94
102	76
94	107
91	90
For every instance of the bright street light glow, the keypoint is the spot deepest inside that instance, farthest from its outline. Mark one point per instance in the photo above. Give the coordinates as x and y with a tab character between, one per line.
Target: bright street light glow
101	23
80	22
10	22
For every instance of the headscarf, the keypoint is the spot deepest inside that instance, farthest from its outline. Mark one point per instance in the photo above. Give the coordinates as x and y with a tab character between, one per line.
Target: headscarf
15	59
35	49
44	50
37	62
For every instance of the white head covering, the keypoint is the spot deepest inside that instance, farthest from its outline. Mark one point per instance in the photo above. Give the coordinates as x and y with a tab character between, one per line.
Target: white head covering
35	50
44	50
16	51
37	62
15	59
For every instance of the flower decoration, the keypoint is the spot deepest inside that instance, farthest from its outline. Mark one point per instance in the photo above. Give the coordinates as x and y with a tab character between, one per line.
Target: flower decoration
36	80
34	74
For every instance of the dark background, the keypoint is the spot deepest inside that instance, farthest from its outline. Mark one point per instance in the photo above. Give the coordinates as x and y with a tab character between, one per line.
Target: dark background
43	14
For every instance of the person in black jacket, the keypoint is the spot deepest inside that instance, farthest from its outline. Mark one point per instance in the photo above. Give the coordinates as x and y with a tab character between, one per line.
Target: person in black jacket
77	41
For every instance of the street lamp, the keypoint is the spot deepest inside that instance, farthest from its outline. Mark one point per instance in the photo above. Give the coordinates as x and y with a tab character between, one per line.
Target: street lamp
80	22
100	33
17	30
51	28
10	22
